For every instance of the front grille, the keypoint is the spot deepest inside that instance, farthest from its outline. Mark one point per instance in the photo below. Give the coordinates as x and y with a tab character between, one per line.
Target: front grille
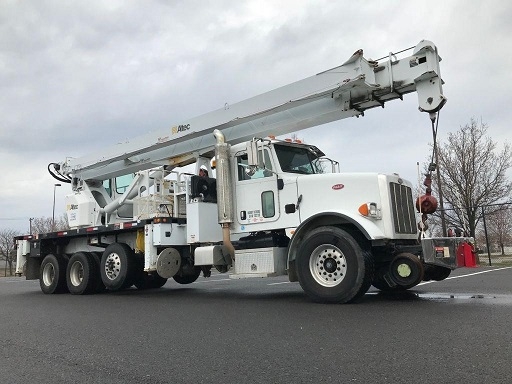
404	217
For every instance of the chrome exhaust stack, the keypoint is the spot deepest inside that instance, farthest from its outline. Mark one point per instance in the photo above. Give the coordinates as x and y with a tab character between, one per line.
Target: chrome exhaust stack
224	190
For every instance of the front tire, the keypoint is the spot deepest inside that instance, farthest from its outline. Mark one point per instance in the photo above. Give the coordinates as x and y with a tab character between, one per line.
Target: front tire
332	267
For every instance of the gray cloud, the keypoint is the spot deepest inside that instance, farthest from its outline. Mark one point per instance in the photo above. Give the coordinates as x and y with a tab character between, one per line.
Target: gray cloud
79	76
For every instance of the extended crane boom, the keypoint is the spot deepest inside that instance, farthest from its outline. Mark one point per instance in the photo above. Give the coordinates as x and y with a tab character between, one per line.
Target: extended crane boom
344	91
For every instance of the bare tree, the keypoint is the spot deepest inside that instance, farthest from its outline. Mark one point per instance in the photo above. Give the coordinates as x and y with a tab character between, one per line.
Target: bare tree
499	227
38	225
7	252
473	174
45	224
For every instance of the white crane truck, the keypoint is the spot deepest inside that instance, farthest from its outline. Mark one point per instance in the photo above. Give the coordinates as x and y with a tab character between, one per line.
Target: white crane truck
137	218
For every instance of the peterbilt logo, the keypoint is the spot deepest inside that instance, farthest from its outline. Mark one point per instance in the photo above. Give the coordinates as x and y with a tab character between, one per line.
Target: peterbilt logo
338	186
180	128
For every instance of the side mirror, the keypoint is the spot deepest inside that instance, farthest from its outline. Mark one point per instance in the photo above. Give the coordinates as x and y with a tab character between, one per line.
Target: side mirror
252	153
250	170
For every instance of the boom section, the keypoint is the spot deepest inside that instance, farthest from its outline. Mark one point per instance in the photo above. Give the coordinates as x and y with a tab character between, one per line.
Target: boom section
344	91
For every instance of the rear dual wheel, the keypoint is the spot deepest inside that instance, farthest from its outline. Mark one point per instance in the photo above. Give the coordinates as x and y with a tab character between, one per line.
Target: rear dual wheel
52	274
83	274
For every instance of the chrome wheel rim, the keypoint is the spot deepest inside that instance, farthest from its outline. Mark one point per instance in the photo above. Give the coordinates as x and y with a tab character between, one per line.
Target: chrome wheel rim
76	273
48	274
328	265
112	266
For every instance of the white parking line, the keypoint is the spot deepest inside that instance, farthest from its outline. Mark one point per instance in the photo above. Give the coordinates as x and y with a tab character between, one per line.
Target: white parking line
469	274
282	282
212	280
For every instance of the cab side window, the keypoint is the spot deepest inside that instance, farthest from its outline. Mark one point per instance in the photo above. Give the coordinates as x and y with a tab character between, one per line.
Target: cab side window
264	170
122	183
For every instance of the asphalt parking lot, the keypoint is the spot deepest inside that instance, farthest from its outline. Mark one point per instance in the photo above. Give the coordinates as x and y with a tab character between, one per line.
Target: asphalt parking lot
219	330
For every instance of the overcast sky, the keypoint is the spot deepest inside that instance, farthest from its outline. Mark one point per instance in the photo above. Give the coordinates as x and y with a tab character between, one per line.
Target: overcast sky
78	76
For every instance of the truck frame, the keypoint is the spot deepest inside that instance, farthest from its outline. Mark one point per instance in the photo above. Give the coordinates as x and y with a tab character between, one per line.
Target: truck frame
137	217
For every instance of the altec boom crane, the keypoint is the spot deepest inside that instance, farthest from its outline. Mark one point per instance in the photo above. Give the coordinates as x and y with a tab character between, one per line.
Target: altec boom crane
135	218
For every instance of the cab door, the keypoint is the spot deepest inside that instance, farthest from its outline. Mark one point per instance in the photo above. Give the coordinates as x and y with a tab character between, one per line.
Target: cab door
257	195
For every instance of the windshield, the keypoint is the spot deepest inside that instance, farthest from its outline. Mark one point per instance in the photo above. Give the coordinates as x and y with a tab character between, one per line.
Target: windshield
296	159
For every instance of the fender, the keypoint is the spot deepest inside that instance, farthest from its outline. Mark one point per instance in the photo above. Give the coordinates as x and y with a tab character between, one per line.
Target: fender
320	219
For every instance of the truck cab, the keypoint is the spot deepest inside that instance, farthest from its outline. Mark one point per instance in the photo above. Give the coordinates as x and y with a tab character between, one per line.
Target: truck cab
293	183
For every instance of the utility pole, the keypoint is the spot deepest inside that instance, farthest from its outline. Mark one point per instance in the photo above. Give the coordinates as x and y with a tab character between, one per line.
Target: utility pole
486	237
53	211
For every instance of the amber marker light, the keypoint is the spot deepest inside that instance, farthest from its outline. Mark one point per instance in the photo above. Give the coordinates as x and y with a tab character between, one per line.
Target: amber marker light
370	210
363	209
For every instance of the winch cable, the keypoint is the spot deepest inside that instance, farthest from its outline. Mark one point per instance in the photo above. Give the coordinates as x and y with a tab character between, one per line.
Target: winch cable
421	224
435	167
427	204
435	124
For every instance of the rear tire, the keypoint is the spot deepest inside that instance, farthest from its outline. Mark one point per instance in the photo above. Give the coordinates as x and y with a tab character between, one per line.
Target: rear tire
332	267
52	274
100	287
118	267
187	278
83	274
150	281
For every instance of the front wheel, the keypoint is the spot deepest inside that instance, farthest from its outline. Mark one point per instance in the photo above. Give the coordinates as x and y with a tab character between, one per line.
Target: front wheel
332	267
